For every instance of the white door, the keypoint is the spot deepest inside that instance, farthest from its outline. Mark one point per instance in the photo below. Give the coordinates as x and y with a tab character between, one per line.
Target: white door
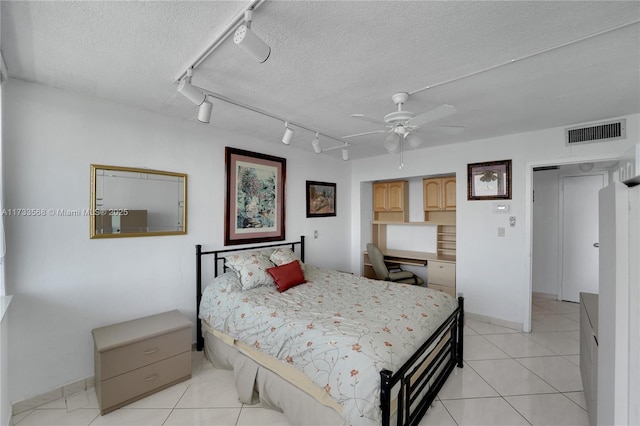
580	235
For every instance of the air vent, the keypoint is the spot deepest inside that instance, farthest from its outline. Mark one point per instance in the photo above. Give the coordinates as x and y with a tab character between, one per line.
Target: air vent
597	133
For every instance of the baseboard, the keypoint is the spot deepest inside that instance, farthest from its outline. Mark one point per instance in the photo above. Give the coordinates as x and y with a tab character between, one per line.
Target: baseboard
545	295
494	321
61	392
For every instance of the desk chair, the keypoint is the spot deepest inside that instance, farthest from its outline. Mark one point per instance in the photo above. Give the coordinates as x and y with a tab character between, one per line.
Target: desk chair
395	274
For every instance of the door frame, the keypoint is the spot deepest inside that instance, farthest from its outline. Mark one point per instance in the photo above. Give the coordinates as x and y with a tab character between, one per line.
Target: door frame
561	177
528	219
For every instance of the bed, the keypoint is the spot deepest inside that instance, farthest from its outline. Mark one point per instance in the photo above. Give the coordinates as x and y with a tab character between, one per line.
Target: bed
335	349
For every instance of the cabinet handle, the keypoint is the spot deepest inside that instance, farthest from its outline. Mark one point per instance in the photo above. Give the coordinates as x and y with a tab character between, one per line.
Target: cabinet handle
150	351
150	378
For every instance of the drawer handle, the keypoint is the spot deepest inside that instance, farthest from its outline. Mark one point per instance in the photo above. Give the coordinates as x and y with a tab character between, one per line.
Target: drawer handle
150	378
151	351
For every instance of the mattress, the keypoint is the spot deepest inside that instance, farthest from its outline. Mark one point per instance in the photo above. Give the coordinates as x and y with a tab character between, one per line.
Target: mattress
338	329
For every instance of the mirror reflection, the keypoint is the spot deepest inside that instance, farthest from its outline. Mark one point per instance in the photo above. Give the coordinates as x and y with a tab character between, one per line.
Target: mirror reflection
130	202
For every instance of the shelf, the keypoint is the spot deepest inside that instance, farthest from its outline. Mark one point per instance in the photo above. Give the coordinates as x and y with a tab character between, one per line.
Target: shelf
391	222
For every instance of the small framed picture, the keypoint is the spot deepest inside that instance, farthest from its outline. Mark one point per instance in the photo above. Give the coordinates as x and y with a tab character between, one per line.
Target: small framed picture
489	181
321	199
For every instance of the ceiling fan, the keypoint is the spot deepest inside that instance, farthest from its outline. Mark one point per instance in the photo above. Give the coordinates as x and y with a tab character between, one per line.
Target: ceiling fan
402	125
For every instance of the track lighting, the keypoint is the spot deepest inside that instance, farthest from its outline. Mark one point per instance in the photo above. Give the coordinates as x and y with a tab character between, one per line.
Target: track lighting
345	154
190	92
316	144
288	134
204	112
250	42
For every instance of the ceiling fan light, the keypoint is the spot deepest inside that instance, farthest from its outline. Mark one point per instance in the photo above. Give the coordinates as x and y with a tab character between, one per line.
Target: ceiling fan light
413	141
190	92
204	112
345	154
392	143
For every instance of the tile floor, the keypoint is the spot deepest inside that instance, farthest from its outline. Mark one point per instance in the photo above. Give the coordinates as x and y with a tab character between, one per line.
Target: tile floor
509	378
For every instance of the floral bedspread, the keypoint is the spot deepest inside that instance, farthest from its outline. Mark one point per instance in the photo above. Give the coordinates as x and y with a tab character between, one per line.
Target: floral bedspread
338	328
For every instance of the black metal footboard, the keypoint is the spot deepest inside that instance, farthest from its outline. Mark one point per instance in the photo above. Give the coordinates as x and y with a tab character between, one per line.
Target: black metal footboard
411	390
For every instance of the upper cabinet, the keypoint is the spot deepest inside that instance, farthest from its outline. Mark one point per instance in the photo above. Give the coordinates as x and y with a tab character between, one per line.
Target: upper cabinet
391	201
439	195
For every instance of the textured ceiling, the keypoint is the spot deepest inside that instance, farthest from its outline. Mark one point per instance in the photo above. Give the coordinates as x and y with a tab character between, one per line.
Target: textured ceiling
580	62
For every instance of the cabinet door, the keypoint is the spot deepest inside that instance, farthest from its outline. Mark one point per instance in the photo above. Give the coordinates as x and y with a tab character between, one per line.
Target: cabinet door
432	189
395	194
380	197
449	193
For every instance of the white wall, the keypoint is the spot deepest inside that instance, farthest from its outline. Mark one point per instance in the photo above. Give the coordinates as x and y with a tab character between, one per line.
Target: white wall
65	284
545	255
493	272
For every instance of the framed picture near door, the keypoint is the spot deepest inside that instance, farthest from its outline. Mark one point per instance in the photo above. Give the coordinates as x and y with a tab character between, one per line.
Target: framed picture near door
321	199
489	181
254	205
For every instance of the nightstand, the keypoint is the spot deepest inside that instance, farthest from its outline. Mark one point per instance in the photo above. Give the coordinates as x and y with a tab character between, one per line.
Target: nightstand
136	358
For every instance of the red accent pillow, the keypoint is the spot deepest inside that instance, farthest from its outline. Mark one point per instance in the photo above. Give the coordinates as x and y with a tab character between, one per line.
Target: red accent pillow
287	275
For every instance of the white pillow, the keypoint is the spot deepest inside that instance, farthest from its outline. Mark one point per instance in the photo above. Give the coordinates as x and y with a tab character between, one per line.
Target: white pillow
251	268
284	255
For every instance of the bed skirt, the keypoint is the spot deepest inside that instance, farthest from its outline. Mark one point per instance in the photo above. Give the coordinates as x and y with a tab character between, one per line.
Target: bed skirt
256	383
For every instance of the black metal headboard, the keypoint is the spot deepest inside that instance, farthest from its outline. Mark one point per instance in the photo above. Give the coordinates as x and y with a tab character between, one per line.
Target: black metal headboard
218	256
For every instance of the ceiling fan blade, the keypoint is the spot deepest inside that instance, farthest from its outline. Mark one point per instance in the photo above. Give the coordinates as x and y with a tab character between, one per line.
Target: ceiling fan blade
369	119
435	114
365	133
447	130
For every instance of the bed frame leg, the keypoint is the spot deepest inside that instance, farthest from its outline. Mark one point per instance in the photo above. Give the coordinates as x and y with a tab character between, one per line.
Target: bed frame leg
199	338
385	396
460	331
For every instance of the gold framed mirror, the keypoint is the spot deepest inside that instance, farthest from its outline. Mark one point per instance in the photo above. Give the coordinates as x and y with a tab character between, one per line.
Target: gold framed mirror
132	202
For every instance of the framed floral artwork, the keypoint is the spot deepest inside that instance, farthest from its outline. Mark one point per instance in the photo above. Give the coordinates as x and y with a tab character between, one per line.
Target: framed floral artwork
489	181
254	205
321	199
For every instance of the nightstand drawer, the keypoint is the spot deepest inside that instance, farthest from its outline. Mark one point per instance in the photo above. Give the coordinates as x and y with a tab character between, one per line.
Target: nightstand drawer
126	358
451	291
126	388
441	273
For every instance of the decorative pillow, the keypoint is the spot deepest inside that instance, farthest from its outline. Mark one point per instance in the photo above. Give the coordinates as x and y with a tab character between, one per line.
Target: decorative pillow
283	256
287	276
251	268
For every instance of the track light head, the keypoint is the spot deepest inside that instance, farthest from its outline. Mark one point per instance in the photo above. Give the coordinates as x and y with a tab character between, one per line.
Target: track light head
251	43
190	92
288	134
345	154
204	112
316	145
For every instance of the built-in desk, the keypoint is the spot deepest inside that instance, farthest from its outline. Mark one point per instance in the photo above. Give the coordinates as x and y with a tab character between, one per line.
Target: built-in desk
441	269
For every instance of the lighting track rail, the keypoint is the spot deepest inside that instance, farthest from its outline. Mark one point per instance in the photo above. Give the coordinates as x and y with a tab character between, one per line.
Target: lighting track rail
219	39
290	123
259	50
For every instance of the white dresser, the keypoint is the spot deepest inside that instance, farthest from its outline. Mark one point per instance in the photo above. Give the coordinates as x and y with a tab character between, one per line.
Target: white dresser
136	358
